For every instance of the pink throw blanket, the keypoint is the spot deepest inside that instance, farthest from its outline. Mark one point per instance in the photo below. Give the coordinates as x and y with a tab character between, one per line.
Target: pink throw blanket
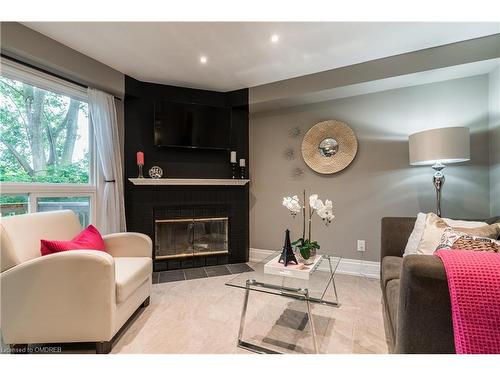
474	284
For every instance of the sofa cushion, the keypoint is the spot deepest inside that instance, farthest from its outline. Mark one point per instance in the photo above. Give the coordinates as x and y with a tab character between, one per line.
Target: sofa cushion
435	227
130	273
493	220
462	241
391	269
392	297
416	234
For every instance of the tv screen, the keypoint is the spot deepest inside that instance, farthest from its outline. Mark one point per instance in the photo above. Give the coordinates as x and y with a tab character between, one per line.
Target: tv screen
192	125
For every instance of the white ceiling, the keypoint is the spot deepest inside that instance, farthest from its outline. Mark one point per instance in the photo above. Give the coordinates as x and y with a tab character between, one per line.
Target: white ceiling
406	80
240	54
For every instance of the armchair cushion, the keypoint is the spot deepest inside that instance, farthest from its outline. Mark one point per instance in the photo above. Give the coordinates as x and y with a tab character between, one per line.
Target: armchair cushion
128	244
21	234
130	273
89	238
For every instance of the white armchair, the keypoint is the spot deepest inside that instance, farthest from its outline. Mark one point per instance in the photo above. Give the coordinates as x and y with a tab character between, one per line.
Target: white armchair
72	296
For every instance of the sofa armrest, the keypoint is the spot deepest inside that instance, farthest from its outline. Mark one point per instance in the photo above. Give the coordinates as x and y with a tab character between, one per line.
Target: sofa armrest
63	297
424	323
129	244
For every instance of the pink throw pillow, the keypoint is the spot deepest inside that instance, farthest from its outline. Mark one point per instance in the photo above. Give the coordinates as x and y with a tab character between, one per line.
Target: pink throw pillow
88	239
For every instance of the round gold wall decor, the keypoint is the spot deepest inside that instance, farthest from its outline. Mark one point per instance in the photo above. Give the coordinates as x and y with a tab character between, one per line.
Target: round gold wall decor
329	146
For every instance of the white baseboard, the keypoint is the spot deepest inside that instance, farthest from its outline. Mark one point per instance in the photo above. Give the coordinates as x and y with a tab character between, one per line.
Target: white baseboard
354	267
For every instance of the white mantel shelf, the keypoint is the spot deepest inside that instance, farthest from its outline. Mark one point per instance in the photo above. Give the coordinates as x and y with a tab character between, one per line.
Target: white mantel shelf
189	181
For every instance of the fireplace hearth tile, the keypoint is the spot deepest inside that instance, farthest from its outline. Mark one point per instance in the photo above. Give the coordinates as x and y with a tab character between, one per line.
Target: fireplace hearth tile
239	268
199	273
195	273
188	263
155	277
169	276
217	271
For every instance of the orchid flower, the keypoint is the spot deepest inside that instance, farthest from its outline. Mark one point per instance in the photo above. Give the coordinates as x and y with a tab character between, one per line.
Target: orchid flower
326	212
293	204
313	200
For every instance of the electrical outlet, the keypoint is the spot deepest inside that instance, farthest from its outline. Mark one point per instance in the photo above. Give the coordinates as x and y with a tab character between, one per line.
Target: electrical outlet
361	245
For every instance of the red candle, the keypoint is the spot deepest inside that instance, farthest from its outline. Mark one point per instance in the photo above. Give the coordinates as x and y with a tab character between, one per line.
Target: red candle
140	158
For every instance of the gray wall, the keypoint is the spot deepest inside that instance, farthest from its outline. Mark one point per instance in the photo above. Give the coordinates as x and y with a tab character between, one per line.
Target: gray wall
380	181
495	141
30	46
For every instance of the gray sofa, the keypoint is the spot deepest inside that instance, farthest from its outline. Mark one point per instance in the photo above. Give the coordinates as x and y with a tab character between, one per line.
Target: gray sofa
417	311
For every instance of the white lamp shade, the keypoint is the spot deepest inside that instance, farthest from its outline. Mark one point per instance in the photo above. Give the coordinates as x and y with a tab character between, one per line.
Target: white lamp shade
445	145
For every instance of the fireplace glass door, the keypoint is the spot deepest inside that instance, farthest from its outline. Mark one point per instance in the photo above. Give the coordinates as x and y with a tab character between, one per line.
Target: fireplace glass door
175	238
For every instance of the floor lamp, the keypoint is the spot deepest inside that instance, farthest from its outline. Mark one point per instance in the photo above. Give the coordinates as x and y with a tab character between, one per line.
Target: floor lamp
438	147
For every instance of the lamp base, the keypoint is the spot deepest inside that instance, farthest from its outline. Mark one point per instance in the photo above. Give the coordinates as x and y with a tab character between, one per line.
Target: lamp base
438	180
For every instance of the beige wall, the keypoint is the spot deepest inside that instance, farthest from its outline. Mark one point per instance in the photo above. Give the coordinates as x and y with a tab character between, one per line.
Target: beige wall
494	85
380	181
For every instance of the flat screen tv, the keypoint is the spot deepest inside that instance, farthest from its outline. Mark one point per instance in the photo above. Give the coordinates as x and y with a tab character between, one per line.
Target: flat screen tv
192	125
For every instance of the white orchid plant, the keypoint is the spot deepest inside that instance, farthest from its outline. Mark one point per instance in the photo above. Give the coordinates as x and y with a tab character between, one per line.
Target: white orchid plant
316	205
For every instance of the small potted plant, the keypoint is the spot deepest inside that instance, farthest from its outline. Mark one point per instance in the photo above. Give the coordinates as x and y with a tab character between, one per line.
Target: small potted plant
305	245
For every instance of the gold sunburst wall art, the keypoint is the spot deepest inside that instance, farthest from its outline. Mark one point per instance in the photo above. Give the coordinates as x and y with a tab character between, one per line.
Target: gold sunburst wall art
329	146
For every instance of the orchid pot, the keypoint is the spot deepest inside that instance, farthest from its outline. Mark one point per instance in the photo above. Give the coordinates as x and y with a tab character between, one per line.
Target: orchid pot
304	254
305	247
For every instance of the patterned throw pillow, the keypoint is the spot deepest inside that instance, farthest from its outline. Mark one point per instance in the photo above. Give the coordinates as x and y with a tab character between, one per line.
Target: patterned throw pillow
435	227
452	239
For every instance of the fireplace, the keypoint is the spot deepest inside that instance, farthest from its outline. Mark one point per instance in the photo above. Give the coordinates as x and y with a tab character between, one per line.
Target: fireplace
145	204
191	237
197	234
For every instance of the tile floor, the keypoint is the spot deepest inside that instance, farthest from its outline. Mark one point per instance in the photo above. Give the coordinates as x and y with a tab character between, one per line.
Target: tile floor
202	315
199	273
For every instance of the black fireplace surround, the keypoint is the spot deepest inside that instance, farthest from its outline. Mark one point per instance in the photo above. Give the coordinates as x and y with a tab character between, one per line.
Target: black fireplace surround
146	203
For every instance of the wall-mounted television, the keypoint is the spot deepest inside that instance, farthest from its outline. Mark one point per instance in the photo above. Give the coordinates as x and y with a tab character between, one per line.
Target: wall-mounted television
192	125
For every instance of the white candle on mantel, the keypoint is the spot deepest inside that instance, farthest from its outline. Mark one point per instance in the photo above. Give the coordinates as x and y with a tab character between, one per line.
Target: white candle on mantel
242	162
233	156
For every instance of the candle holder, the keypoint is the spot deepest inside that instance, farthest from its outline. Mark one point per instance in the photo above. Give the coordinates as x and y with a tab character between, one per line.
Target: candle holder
140	171
242	173
233	167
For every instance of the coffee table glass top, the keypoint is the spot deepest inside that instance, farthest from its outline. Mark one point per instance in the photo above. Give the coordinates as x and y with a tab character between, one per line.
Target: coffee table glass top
316	286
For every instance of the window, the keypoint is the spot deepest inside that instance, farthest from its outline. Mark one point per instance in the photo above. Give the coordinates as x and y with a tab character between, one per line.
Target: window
45	135
14	205
46	144
79	204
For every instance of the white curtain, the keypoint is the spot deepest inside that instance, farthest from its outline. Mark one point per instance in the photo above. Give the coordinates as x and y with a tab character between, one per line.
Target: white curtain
110	204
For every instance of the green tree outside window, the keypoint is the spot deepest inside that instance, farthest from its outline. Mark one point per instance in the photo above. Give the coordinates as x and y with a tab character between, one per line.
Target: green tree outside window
43	135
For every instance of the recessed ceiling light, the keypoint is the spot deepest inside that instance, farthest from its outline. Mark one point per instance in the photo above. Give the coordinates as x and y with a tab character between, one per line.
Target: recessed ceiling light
203	59
275	38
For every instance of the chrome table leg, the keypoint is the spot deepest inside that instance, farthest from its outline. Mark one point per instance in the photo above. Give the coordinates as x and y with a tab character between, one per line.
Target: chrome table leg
241	343
311	321
244	311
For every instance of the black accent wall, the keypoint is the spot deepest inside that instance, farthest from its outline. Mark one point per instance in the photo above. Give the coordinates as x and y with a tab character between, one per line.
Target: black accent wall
141	202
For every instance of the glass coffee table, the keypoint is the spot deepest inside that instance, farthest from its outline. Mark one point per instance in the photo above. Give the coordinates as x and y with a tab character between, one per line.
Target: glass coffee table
312	290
